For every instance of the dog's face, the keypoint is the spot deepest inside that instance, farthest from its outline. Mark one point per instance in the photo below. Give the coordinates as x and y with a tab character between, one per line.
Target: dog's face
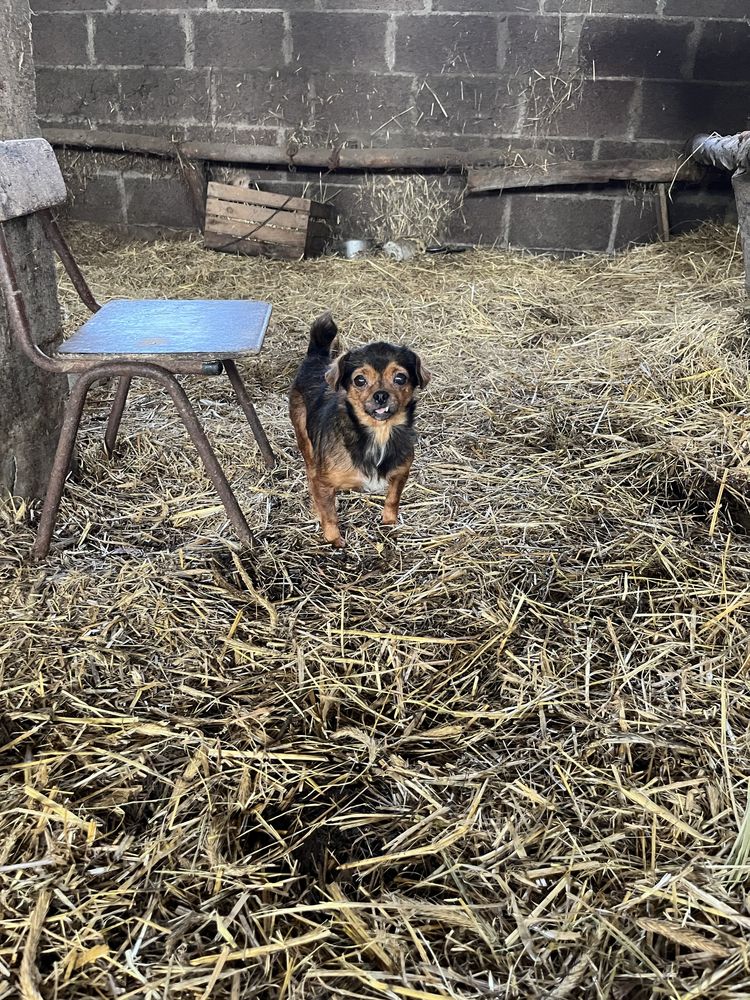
379	381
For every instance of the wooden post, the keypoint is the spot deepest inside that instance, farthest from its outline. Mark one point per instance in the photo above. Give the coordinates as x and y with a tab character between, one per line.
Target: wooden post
741	186
30	399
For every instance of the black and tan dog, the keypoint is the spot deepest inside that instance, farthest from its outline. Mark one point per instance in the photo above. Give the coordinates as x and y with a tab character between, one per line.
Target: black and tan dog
354	421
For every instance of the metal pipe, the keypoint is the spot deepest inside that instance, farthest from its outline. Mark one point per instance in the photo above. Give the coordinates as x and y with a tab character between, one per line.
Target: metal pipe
115	414
269	459
193	426
58	241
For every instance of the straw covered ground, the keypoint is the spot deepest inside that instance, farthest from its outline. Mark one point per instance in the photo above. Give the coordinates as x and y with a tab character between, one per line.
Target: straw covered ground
503	753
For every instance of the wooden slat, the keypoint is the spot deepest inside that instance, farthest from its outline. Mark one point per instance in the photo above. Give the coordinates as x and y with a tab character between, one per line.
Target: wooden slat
256	213
30	178
252	248
233	192
251	231
573	172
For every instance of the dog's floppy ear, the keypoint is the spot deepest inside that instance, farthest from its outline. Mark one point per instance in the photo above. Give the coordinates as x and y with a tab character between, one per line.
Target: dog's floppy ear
421	373
335	373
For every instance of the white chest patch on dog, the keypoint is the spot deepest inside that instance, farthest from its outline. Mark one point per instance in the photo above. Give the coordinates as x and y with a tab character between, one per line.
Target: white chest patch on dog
376	451
374	484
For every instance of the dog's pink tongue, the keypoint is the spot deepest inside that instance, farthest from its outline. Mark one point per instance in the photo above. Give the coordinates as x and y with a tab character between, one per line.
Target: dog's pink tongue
381	410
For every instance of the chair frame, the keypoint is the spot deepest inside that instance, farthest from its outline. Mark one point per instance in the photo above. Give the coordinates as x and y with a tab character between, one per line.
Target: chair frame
161	369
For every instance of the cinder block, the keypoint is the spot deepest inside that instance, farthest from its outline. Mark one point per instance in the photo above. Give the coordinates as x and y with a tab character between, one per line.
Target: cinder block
679	110
637	220
446	43
481	219
488	6
533	46
291	5
60	39
401	6
76	95
159	201
100	201
38	6
329	41
139	40
690	209
634	47
259	98
723	51
145	5
596	109
600	6
478	105
238	40
162	95
368	104
549	221
699	8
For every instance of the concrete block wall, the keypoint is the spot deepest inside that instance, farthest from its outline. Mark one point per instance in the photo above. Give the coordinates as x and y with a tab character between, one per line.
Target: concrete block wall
541	79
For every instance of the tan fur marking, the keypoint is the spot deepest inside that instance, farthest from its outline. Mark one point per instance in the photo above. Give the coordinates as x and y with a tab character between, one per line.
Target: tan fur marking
396	482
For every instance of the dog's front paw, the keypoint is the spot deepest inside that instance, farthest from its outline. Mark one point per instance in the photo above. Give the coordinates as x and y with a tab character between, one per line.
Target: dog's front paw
334	537
390	519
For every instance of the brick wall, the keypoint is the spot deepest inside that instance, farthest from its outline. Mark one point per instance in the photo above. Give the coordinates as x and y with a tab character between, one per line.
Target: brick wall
539	78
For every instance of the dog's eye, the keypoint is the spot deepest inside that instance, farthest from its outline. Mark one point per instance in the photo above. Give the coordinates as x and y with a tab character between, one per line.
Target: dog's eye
359	381
399	378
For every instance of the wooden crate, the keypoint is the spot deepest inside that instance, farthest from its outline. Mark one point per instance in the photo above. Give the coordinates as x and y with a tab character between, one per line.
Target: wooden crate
239	220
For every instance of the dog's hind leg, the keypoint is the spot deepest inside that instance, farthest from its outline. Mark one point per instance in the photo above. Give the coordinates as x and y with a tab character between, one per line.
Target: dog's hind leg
298	414
396	482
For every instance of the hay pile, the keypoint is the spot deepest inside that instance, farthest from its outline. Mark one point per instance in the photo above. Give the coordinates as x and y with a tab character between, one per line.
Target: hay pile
412	207
504	754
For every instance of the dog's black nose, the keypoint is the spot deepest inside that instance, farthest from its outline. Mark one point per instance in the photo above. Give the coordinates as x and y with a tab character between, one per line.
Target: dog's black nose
381	398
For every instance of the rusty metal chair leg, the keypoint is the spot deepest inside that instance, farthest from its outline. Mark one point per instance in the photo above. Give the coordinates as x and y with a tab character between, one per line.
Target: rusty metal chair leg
269	459
115	414
206	452
73	411
60	466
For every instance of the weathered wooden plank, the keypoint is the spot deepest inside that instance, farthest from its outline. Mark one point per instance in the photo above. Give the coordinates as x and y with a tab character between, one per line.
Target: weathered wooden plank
244	212
30	178
574	172
251	196
251	248
253	231
31	399
434	157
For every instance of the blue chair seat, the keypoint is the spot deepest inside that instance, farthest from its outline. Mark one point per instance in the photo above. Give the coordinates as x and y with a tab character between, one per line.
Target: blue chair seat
149	328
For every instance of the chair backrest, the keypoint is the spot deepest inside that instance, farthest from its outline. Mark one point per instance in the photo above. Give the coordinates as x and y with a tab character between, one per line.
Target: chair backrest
30	178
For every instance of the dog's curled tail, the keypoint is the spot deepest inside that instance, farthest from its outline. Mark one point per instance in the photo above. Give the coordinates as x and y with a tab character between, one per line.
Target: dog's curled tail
322	335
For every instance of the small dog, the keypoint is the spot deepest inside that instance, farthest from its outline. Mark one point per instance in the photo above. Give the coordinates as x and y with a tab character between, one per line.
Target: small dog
354	421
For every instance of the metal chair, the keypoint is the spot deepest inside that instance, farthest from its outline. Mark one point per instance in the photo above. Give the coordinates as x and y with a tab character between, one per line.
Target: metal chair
123	339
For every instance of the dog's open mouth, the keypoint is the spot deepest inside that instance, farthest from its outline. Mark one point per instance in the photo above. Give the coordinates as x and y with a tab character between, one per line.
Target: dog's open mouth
381	413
